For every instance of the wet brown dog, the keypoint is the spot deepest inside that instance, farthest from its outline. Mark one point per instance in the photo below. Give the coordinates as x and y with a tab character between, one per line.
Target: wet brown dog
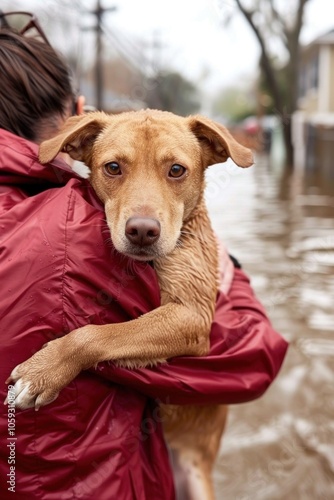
148	167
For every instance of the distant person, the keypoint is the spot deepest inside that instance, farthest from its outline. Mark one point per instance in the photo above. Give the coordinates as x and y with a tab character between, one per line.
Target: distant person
102	438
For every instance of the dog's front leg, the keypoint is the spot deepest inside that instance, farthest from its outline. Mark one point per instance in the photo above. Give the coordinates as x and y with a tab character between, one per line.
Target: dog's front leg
170	330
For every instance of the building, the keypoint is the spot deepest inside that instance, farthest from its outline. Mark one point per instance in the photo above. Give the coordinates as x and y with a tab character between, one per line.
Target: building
313	122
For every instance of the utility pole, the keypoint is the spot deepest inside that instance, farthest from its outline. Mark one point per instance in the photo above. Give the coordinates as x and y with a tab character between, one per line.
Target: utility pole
98	60
99	87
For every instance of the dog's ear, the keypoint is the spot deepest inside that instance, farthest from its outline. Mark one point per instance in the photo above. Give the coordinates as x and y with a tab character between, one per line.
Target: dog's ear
77	134
218	144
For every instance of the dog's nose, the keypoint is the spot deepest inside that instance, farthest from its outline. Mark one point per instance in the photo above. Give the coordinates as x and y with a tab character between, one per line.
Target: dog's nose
142	231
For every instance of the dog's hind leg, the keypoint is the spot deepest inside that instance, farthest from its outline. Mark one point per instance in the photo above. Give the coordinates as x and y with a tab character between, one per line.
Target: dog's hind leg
191	477
193	434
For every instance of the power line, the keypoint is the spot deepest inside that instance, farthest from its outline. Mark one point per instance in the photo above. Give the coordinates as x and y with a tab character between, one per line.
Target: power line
130	52
120	46
98	13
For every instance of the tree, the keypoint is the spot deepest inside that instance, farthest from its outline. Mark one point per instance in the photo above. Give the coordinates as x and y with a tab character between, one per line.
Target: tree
269	21
235	103
171	91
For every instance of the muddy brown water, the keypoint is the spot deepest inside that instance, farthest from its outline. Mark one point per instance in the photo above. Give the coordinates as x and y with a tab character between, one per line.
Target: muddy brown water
282	230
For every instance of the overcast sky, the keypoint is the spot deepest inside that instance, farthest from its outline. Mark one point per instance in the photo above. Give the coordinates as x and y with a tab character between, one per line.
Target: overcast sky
191	33
194	31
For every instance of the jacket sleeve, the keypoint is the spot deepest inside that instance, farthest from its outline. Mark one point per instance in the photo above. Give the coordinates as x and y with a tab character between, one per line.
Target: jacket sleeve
245	356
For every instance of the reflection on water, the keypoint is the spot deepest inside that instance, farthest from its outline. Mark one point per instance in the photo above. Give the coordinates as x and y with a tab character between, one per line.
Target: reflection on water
282	230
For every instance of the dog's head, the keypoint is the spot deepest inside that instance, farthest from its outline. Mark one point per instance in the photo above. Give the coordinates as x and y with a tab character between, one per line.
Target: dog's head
147	167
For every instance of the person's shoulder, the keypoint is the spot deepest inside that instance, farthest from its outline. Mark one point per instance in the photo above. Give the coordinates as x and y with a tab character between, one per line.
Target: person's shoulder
18	144
69	208
53	213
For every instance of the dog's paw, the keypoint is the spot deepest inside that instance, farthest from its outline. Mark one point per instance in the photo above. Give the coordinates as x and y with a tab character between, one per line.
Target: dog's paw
38	381
28	395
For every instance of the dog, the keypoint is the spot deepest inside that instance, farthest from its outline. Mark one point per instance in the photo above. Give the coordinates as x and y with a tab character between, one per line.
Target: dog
147	167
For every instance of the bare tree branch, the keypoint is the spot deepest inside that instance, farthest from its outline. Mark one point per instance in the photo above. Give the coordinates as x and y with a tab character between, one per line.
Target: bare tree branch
276	16
284	97
265	59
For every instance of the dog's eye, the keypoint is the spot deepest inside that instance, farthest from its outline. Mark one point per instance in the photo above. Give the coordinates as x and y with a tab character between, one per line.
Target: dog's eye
176	171
112	168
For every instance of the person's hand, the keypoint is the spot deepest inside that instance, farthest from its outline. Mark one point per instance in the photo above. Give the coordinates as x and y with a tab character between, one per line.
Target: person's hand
226	269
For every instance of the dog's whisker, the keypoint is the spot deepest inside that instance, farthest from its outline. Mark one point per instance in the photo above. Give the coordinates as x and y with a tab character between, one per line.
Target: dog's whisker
188	233
188	236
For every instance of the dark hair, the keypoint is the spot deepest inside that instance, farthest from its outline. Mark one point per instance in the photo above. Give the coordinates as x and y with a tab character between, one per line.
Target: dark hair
35	88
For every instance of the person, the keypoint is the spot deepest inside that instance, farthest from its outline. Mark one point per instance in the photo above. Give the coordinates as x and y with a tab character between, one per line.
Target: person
102	438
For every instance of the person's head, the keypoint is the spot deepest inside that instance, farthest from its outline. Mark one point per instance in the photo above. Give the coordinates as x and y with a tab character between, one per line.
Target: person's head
36	93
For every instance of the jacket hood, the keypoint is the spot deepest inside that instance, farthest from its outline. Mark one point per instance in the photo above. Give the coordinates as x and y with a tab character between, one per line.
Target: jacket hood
19	163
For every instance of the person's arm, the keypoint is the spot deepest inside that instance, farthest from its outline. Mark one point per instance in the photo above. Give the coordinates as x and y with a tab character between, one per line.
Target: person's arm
245	356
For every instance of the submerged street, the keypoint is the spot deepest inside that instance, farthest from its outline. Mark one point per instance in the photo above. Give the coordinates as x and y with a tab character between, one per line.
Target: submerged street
282	231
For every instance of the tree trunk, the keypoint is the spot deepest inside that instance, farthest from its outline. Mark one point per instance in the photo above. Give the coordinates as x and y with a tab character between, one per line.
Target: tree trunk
286	125
290	32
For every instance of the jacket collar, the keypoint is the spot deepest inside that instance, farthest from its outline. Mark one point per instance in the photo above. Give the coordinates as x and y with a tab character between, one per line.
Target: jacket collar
19	163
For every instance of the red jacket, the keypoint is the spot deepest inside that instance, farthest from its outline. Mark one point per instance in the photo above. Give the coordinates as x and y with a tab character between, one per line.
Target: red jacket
101	439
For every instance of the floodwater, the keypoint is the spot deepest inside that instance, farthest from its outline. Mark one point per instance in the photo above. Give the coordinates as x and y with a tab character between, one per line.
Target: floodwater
282	231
